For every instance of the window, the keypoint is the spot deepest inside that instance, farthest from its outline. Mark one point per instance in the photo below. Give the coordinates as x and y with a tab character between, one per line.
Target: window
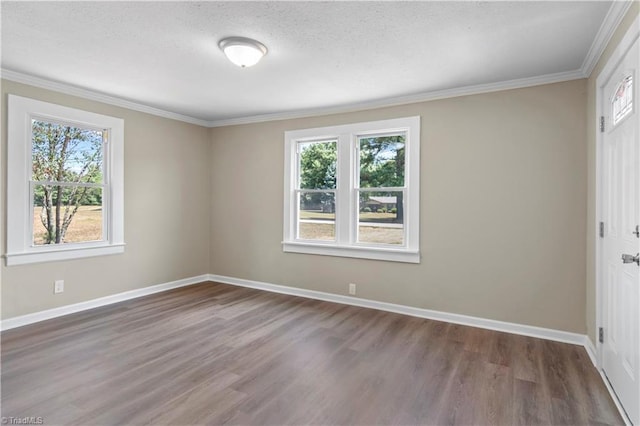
65	183
622	102
353	190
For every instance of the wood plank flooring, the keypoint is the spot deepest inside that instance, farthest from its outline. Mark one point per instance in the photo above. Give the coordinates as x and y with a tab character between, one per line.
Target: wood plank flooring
218	354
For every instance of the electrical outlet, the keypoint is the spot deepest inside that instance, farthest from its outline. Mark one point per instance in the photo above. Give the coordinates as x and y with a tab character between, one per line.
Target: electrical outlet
352	289
58	286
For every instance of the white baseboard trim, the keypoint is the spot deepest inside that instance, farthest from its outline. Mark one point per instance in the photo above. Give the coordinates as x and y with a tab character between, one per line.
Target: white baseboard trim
507	327
591	351
615	399
95	303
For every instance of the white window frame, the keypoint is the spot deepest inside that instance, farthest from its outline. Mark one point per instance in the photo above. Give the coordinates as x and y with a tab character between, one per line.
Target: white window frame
347	203
20	247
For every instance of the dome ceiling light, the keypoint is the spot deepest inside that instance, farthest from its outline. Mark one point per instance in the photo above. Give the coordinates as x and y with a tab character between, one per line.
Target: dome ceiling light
242	51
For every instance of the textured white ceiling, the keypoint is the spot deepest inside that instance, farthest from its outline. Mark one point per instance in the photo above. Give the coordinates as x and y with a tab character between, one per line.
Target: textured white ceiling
321	54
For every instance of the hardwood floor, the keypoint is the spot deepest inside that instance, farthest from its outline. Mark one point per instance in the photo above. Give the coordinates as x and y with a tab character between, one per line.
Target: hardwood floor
217	354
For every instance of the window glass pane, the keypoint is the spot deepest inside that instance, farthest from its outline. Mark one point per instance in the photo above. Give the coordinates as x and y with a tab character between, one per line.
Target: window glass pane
66	214
318	164
622	102
317	216
63	153
382	161
381	217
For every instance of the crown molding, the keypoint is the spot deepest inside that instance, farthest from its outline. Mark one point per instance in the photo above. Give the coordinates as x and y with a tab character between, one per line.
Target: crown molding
360	106
614	16
69	89
409	99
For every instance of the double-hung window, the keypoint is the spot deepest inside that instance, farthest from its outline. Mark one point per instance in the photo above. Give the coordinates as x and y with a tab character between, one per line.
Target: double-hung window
353	190
65	183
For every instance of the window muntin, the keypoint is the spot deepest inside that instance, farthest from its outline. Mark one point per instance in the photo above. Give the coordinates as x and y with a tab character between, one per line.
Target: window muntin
88	173
364	198
67	183
622	102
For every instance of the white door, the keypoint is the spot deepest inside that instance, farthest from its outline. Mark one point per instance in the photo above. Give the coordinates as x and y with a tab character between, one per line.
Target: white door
621	217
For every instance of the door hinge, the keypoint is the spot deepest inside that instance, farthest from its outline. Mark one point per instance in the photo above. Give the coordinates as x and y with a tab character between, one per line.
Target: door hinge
601	230
602	124
601	335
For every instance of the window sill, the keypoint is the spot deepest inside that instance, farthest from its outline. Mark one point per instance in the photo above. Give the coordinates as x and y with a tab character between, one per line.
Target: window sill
62	253
387	254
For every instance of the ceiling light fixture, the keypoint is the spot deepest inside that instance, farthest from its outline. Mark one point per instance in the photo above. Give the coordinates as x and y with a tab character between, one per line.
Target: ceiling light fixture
242	51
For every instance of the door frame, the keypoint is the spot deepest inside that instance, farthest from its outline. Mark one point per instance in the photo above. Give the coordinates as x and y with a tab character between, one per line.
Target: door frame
632	34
